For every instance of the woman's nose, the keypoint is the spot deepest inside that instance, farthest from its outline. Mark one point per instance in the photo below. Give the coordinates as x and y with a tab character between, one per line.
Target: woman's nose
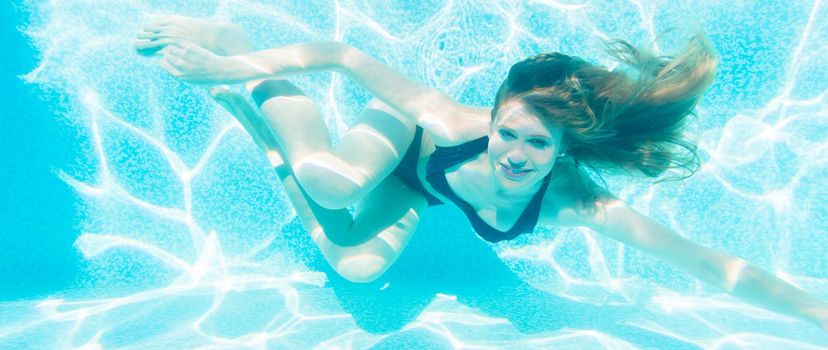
516	160
515	165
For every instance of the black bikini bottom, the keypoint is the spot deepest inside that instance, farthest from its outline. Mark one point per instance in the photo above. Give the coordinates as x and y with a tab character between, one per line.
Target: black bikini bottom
407	169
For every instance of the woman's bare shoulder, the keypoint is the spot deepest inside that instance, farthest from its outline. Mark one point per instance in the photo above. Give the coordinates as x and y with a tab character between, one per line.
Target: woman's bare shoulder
457	123
484	111
564	203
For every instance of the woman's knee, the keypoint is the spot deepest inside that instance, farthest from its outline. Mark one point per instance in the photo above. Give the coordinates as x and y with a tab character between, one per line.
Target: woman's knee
362	268
274	88
331	182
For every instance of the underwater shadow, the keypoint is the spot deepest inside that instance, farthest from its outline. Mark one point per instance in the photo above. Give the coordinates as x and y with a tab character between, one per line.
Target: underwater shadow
445	256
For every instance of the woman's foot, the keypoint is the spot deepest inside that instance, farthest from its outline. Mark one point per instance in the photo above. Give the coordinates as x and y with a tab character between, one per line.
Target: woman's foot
223	39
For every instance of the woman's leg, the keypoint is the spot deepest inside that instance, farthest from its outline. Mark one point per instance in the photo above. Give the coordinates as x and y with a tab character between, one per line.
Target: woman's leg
334	178
359	247
225	39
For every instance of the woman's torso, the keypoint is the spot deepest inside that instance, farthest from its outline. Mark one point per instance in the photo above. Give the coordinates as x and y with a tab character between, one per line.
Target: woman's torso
469	181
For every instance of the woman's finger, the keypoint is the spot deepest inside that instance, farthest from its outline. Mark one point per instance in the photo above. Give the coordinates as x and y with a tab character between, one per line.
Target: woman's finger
149	36
173	50
173	56
147	44
154	28
147	48
177	62
145	35
153	47
165	64
165	33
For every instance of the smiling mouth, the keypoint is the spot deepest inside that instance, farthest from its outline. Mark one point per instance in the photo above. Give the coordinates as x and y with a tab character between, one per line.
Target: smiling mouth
515	174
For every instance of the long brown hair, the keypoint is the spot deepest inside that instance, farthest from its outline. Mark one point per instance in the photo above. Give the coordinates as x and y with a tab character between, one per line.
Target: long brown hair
613	121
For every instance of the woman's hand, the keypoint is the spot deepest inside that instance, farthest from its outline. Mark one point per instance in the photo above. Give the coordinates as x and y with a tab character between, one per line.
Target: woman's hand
195	64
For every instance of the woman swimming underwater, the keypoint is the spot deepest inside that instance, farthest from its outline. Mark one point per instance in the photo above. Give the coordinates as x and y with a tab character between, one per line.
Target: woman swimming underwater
509	168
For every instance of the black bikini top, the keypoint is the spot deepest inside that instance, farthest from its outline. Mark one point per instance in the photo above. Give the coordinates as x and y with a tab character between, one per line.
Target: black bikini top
447	157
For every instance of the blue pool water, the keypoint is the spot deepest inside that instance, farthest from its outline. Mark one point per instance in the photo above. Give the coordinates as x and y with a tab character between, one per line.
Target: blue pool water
138	214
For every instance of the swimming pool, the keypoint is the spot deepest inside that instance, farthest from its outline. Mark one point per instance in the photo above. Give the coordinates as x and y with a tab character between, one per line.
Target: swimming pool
183	237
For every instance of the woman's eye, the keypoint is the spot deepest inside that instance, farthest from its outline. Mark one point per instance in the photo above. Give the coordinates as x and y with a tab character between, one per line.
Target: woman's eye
505	134
539	144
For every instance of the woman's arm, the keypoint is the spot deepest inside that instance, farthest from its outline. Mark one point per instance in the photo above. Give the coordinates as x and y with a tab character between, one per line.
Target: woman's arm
617	220
447	121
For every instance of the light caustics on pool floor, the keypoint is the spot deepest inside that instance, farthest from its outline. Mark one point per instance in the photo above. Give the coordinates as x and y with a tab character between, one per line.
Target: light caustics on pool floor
183	221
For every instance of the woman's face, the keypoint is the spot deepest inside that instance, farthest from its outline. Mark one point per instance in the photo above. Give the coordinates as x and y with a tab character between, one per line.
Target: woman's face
522	149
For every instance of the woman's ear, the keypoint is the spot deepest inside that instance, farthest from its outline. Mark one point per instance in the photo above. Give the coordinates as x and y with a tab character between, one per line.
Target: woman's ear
562	149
